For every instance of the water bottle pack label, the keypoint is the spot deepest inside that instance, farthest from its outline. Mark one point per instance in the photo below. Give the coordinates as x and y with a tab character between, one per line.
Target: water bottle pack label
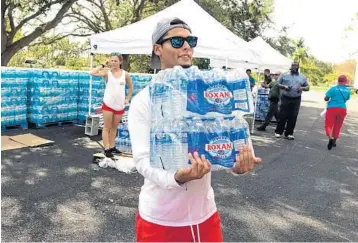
206	97
123	131
217	148
241	96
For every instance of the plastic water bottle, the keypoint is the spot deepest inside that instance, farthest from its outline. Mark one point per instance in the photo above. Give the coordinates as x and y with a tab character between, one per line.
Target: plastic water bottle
155	144
178	88
179	144
196	134
167	145
246	132
160	100
240	133
194	87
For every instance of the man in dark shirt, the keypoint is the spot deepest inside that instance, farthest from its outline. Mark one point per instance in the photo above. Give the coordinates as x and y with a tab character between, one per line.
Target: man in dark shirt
274	97
292	84
267	78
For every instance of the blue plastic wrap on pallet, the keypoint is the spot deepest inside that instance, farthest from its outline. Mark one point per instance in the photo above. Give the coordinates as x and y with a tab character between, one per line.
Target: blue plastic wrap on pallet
14	83
53	96
262	104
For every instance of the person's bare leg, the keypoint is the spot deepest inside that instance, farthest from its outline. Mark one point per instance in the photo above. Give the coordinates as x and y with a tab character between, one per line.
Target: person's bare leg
107	118
113	134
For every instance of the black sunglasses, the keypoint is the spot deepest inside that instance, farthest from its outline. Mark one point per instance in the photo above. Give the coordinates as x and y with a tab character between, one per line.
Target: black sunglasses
178	41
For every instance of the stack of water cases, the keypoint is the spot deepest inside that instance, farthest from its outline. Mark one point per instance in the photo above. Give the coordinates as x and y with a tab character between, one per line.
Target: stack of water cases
123	142
262	104
140	81
52	97
198	111
98	86
14	97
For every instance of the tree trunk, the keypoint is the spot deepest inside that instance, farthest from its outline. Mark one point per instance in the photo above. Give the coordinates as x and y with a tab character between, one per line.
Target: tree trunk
126	62
8	54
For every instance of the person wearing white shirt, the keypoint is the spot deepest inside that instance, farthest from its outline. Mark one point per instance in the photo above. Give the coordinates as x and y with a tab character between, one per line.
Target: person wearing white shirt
175	206
114	100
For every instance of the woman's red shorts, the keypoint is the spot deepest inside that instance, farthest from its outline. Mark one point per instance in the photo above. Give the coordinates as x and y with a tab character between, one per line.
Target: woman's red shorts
106	108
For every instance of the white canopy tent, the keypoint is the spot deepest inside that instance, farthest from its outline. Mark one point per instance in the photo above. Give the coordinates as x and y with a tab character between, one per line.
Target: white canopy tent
214	39
269	58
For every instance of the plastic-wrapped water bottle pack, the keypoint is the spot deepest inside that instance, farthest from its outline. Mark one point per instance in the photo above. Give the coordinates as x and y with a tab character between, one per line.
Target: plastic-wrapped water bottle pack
52	96
262	104
219	139
181	92
14	96
123	142
98	86
198	111
140	81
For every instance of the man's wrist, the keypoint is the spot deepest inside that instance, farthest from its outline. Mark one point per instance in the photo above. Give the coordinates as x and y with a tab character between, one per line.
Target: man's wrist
177	180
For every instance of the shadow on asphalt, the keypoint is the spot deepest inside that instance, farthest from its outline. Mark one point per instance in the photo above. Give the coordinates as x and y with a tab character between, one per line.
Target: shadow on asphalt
302	192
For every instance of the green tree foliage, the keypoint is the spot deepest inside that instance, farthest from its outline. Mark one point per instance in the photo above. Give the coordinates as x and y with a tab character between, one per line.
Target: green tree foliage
31	18
50	55
301	53
282	42
248	19
314	75
75	63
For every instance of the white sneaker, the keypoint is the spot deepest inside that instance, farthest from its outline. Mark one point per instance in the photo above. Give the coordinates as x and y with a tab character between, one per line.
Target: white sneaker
290	137
277	135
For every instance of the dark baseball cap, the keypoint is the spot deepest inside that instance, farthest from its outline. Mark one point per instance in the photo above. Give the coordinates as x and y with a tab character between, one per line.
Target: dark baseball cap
163	26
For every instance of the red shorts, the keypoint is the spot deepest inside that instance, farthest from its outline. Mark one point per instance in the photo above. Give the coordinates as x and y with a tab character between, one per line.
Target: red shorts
106	108
209	231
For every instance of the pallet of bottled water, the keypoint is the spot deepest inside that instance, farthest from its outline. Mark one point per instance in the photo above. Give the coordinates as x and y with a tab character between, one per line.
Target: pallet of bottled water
262	104
14	97
97	93
123	142
52	97
140	81
198	111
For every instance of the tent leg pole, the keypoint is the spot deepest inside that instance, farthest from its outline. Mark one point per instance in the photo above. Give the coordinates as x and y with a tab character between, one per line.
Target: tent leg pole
90	86
253	119
255	102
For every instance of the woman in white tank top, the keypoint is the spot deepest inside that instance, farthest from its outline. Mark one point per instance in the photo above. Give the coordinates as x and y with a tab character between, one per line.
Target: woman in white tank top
114	100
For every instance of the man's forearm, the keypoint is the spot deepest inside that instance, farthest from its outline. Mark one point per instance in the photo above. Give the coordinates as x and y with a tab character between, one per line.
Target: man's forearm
307	88
281	86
